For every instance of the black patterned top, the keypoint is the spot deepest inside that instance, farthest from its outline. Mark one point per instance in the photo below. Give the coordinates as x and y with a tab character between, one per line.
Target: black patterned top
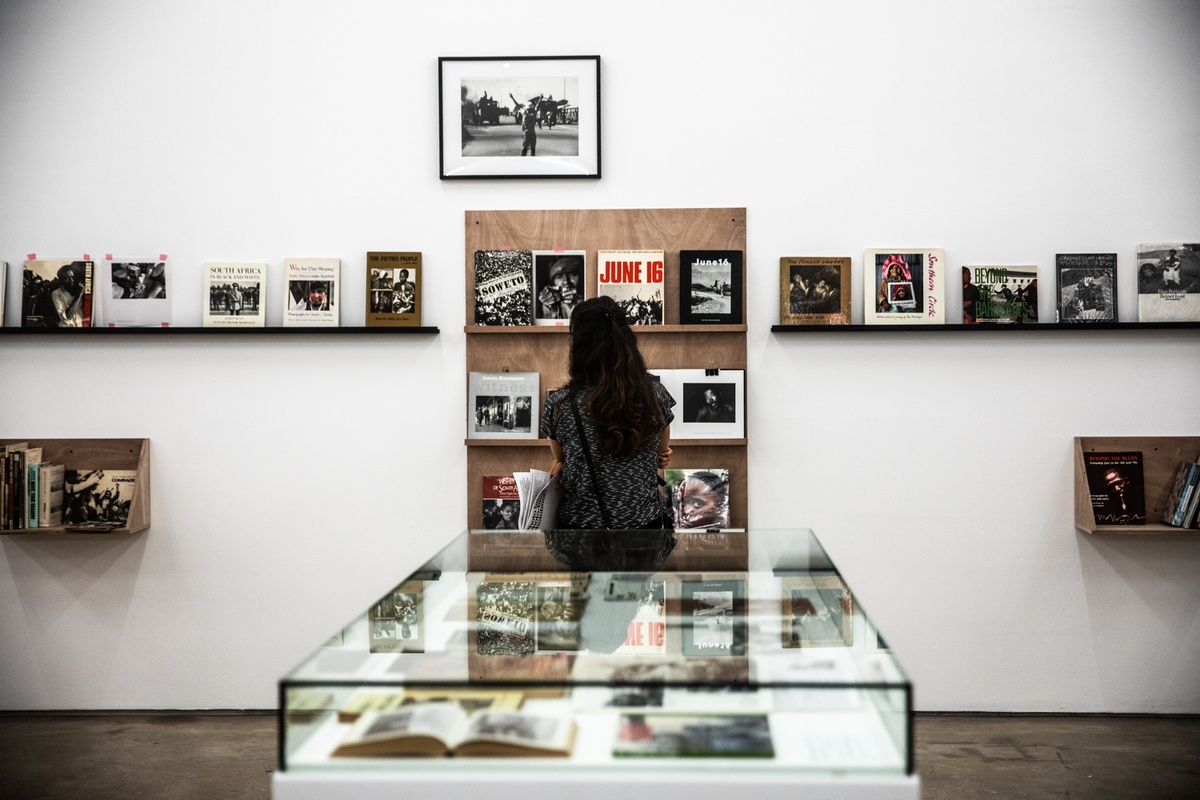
630	484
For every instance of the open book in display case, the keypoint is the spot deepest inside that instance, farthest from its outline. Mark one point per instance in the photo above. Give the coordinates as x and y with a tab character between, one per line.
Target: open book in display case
126	455
543	349
612	662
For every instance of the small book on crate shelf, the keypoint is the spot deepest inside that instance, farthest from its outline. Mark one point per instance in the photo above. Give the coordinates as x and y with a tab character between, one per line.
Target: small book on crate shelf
1182	504
442	729
1117	487
98	497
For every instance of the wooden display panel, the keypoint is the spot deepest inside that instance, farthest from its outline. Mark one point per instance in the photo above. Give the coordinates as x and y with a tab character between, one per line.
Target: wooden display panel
99	454
544	349
1160	457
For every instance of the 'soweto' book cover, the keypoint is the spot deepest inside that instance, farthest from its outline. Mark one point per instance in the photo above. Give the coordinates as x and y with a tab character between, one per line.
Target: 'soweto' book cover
814	290
393	289
1117	487
1087	287
57	293
504	618
312	293
904	287
634	280
1168	282
504	287
1006	295
235	295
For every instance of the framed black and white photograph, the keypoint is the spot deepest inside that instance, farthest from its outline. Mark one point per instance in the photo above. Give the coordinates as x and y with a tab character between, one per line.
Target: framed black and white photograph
503	405
519	117
710	403
558	285
710	287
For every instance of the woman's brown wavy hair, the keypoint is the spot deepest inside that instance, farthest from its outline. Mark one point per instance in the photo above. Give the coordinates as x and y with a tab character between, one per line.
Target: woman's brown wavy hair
604	356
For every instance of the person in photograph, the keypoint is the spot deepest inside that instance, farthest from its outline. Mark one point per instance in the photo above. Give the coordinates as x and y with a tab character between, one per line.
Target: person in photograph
529	131
703	501
970	299
236	300
623	416
404	294
68	296
1171	274
713	410
316	298
564	289
507	520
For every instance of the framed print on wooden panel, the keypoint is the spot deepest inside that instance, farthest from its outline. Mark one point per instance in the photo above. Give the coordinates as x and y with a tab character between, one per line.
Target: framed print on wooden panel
519	117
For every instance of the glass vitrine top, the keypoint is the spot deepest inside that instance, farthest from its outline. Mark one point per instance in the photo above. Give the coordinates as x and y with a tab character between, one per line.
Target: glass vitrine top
757	608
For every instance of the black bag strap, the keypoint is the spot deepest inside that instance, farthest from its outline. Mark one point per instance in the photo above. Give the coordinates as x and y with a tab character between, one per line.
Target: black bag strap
587	455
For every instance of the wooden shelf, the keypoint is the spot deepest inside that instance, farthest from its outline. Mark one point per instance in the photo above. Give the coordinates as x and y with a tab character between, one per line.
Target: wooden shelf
1160	457
544	348
97	454
1041	327
190	331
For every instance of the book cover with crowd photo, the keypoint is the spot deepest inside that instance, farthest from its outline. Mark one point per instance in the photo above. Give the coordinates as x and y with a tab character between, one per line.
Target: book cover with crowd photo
634	280
57	293
504	618
504	287
1006	295
393	289
135	293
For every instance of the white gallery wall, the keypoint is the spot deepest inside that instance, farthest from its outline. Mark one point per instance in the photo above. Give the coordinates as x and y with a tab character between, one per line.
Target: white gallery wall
295	479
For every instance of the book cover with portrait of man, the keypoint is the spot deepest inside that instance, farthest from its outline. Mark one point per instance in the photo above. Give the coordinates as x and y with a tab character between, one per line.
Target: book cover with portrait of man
311	292
57	293
1117	487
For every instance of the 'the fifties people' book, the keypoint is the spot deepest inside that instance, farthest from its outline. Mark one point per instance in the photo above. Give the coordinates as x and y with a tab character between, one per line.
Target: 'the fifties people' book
235	295
393	289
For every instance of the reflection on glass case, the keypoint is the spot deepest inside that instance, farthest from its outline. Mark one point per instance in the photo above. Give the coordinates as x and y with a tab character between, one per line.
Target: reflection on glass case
712	659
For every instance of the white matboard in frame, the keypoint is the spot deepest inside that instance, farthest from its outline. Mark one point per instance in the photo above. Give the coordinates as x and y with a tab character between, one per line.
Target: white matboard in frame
519	117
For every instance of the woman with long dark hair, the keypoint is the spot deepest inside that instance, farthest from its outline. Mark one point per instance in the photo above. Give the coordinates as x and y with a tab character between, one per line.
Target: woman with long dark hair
608	427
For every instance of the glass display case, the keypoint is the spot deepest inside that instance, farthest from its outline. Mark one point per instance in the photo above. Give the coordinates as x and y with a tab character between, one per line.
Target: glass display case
619	659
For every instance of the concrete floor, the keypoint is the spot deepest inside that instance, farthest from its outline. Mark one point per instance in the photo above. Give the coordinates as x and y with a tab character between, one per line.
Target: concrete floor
180	757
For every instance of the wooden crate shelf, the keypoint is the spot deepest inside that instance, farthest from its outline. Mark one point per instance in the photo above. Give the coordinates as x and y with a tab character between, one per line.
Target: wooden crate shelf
1160	457
98	454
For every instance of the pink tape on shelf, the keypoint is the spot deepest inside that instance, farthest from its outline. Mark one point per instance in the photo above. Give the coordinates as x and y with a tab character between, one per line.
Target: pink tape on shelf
87	257
108	256
31	256
560	249
162	256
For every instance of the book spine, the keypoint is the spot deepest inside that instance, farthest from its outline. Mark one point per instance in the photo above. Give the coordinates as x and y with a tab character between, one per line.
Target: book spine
33	496
1185	497
87	296
1189	508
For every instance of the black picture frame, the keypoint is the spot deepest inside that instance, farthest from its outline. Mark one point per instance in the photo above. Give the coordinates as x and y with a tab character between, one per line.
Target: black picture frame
710	287
486	130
